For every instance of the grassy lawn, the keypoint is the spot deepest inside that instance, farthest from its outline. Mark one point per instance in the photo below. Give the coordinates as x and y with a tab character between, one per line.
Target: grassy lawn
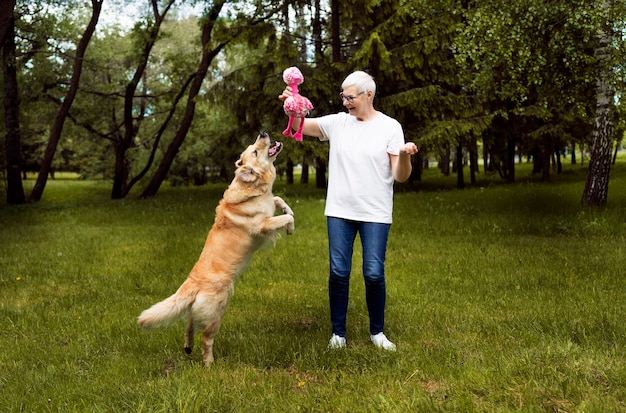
501	298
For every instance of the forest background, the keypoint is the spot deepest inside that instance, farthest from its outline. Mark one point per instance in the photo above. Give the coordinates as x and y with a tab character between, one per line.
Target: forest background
143	92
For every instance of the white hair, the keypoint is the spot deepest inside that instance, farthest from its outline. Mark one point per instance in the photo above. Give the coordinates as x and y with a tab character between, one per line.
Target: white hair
361	80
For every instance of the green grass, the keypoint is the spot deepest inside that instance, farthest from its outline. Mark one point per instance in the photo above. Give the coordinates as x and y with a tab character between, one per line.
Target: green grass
501	298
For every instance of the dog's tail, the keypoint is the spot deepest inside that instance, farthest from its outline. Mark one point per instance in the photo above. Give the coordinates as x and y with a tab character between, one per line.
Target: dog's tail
169	310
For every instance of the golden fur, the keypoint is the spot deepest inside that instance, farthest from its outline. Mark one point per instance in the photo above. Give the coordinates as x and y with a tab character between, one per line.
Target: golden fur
244	221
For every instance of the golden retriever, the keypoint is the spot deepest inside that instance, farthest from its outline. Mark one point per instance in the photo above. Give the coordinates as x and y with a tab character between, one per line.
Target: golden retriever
244	221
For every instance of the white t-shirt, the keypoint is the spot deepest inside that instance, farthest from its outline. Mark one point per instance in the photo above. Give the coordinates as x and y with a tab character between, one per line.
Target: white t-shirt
360	180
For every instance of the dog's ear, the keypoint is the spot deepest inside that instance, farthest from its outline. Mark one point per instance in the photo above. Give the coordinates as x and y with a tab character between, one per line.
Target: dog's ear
247	175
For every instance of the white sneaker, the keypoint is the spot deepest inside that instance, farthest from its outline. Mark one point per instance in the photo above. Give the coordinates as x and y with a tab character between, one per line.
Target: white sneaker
381	341
337	342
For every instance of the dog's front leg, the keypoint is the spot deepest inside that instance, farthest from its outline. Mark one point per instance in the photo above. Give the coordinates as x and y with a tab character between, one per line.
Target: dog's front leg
282	205
272	224
284	221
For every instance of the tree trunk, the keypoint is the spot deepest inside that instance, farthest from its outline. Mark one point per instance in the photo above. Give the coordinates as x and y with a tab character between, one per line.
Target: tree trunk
444	162
546	157
12	142
320	173
317	32
208	55
460	180
487	164
304	176
473	156
289	171
510	159
7	19
61	116
335	16
618	144
597	184
303	28
121	185
582	152
419	163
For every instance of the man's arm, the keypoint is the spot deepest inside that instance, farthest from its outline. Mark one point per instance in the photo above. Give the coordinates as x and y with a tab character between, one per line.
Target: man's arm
401	164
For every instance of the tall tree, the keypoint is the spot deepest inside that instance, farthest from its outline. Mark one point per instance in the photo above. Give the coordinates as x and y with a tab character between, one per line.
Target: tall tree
208	54
597	184
121	183
62	114
15	190
216	35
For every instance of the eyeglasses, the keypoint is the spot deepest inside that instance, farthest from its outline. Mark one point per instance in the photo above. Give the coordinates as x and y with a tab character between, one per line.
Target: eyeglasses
349	98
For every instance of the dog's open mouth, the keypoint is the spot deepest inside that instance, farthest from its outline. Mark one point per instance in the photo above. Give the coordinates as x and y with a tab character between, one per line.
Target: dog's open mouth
275	149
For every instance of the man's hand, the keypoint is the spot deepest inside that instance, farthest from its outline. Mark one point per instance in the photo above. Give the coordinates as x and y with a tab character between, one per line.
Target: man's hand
286	93
409	148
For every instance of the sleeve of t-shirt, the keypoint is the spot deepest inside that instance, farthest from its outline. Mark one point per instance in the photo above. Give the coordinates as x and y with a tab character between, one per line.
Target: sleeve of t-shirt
327	124
396	138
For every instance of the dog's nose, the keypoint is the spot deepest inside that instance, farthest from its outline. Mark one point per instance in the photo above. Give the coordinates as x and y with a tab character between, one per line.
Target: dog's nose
264	135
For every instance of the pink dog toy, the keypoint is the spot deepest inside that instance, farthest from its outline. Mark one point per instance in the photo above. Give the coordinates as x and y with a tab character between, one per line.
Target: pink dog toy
296	106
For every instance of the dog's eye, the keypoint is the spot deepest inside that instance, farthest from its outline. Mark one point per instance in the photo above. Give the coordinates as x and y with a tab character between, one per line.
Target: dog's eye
255	153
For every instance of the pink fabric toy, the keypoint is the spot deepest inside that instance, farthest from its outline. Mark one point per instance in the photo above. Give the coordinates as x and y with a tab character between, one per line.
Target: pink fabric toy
296	106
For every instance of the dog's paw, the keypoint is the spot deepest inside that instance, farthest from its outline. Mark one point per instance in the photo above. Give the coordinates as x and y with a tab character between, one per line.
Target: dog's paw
290	227
287	210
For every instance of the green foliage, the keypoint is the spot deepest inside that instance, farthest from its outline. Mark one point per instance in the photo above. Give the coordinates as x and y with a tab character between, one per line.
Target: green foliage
549	46
373	53
536	62
46	36
409	49
445	69
500	298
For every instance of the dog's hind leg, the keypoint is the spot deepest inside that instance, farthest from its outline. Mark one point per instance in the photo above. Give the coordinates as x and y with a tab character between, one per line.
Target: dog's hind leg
208	311
189	335
208	337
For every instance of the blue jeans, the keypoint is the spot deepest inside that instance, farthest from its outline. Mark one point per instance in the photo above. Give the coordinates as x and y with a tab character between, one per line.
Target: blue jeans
341	236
